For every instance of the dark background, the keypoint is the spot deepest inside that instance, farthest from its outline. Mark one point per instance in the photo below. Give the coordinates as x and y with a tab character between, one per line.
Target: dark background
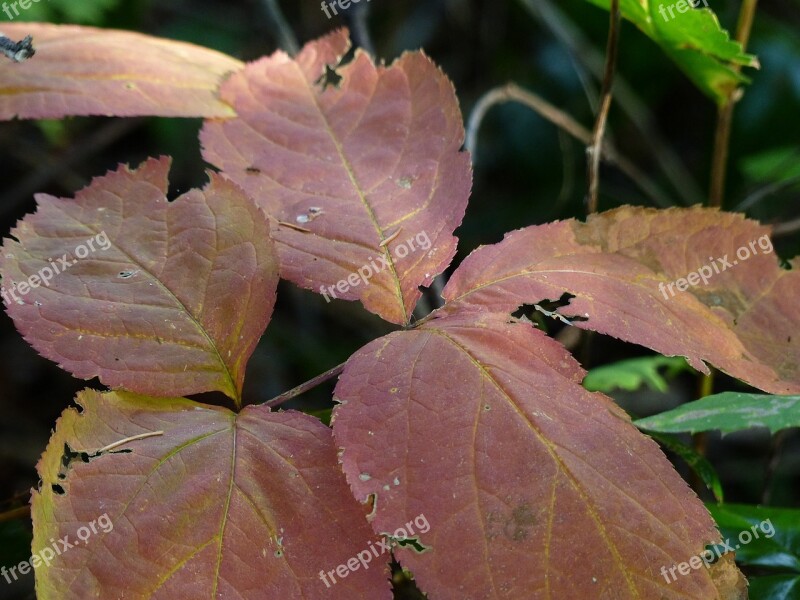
526	172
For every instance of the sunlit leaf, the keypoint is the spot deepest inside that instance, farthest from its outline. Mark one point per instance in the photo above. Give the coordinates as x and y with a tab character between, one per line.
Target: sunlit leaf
246	506
539	487
87	71
692	38
365	175
171	300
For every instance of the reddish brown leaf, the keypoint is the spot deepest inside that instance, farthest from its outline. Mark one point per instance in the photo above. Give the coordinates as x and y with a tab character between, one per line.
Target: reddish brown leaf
539	487
246	506
174	305
353	172
619	265
88	71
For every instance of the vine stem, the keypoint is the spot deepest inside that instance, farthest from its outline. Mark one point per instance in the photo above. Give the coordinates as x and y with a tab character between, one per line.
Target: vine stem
513	93
308	385
722	136
594	150
17	513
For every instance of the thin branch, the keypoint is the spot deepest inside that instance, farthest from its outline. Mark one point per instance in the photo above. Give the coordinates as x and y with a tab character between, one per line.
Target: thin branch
786	228
304	387
594	149
722	136
511	92
638	111
281	29
766	191
18	513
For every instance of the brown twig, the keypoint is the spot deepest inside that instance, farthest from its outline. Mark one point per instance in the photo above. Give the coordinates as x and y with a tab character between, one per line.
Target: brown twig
304	387
722	136
594	149
512	92
17	513
625	96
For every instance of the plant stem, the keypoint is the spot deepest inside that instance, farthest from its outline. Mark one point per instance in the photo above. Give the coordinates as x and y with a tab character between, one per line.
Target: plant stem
512	92
304	387
722	136
594	149
17	513
283	32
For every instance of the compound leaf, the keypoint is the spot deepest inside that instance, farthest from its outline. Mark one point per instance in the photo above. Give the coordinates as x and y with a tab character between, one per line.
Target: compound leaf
361	165
87	71
541	488
220	505
172	298
622	267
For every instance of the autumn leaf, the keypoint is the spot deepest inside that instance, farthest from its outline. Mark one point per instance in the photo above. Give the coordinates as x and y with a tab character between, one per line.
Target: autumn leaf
88	71
620	265
364	173
539	487
220	505
157	297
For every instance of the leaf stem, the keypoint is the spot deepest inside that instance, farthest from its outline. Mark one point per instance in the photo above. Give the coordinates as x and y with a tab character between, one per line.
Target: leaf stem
722	136
308	385
594	149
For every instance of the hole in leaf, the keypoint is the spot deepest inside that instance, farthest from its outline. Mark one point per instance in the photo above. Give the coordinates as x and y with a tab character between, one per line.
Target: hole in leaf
329	77
57	489
414	544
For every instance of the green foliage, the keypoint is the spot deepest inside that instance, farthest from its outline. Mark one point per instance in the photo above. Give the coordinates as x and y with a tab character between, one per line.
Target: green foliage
694	40
728	412
630	375
776	555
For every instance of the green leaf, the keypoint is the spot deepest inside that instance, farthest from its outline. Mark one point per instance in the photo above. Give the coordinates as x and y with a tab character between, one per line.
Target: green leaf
773	165
728	412
630	375
775	534
697	462
694	40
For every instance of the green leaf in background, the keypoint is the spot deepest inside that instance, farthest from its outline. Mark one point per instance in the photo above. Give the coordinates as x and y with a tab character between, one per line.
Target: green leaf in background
87	12
773	165
693	39
697	462
776	551
632	374
728	412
